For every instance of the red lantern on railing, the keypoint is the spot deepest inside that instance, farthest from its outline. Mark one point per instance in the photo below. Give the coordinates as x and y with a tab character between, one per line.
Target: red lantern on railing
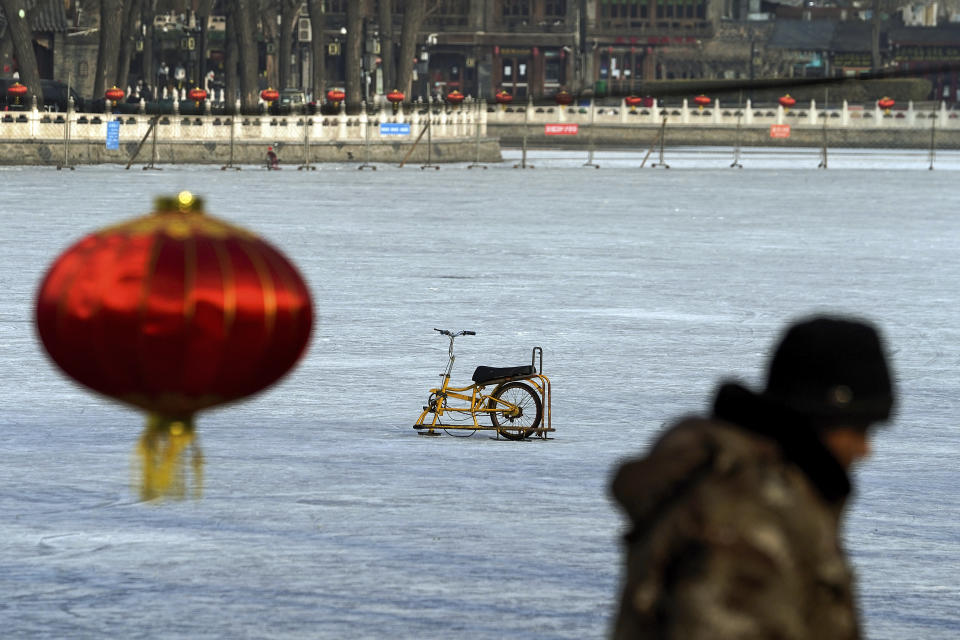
886	103
173	313
633	102
563	98
395	97
503	98
701	101
17	90
114	95
269	95
198	95
336	96
787	101
455	97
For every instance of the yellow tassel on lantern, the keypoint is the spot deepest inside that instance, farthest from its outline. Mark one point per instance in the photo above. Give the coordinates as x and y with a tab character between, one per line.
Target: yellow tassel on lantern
164	449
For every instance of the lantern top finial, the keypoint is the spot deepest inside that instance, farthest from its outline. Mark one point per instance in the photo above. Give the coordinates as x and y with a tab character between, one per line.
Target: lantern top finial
184	202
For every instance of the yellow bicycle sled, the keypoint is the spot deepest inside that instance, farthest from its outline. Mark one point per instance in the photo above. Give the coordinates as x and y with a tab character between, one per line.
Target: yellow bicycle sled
518	406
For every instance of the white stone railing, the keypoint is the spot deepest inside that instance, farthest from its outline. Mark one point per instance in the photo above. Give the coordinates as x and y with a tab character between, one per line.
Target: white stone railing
799	115
445	123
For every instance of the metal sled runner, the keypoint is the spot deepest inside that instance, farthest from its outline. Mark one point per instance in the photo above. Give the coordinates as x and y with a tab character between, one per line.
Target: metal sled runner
518	406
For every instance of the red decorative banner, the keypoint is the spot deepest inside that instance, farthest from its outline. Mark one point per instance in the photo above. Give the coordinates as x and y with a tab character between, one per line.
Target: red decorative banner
779	131
560	129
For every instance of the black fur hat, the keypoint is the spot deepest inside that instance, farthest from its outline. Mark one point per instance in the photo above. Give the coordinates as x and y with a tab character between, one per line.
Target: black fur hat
832	369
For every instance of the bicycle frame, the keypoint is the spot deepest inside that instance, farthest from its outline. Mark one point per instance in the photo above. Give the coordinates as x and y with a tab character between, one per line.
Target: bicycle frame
474	401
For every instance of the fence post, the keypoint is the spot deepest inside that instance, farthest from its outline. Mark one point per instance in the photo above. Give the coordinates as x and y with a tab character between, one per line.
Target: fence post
844	115
342	121
748	113
685	113
812	119
34	119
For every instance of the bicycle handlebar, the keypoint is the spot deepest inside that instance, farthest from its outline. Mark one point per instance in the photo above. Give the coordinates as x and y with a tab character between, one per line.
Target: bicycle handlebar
444	332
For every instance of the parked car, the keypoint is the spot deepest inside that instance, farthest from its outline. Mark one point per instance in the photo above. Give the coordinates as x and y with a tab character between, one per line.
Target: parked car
54	96
291	101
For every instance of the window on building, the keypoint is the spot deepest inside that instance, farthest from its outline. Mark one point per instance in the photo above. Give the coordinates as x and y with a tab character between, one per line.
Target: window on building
336	6
450	13
555	9
516	8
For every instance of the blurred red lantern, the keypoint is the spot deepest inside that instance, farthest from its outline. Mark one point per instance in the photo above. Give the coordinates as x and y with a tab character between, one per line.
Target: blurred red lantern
454	97
886	103
563	98
502	97
701	101
197	94
114	94
270	95
173	312
787	101
633	101
336	95
17	90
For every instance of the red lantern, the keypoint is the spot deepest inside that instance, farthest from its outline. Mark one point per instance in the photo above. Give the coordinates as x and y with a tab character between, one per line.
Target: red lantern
886	103
787	101
454	97
701	101
503	98
336	96
198	95
633	102
563	98
173	312
114	94
395	97
269	95
17	90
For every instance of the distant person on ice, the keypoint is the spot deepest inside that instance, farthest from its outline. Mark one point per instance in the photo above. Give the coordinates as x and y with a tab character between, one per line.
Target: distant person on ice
736	517
272	161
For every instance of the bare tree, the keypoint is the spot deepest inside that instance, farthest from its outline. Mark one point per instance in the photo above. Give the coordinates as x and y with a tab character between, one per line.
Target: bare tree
245	14
231	61
319	66
414	11
111	26
148	10
18	24
289	12
269	11
204	9
386	44
131	14
356	12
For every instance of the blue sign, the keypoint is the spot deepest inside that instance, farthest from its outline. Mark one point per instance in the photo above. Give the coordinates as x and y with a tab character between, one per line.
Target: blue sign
113	134
394	129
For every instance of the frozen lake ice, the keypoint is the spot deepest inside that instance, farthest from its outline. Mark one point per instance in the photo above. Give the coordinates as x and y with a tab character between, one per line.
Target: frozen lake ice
324	515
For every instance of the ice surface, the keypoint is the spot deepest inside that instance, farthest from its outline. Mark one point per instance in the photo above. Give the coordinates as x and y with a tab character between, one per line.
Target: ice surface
326	516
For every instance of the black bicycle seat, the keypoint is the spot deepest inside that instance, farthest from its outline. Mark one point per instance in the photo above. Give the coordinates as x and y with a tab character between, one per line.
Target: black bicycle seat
486	374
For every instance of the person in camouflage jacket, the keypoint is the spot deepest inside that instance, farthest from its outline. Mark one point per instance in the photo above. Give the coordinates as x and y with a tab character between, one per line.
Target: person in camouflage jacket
736	517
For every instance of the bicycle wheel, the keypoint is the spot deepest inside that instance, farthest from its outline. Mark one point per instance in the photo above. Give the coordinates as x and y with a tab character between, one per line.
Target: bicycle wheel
519	423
